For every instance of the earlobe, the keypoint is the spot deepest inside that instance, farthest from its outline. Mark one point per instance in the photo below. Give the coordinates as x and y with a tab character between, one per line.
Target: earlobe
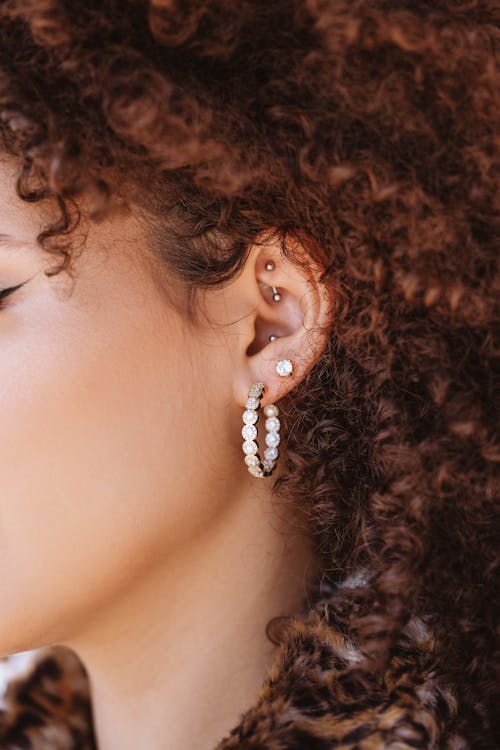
288	327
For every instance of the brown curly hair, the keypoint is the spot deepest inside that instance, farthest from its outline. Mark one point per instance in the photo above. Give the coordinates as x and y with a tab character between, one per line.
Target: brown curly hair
370	127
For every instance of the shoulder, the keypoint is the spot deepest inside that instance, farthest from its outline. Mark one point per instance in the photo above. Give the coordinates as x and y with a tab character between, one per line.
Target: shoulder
45	701
314	698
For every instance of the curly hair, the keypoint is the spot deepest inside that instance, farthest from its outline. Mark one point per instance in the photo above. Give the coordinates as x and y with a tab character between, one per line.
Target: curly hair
371	128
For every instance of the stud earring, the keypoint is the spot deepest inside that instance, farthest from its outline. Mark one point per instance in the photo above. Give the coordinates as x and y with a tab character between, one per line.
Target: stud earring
256	466
272	337
269	265
284	367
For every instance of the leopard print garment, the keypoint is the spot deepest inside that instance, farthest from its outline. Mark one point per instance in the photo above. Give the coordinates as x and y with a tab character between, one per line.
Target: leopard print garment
308	700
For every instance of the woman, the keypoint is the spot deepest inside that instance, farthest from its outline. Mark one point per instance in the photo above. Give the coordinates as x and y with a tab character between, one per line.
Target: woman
248	345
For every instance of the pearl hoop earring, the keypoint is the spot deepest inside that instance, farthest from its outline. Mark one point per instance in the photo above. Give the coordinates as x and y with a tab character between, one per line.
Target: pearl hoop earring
256	466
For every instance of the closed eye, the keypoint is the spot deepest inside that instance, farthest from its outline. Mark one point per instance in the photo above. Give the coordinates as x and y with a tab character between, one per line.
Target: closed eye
7	292
10	290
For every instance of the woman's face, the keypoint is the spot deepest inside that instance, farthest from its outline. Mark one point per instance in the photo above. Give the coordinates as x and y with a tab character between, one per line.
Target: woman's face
111	425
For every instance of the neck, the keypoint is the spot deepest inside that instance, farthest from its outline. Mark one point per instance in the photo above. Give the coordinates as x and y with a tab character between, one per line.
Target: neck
176	659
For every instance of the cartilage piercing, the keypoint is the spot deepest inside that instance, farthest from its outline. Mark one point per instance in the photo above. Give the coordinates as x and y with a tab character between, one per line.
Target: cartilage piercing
276	294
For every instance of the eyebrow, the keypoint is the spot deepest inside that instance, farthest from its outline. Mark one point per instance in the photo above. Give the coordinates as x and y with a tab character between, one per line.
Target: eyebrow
12	243
7	239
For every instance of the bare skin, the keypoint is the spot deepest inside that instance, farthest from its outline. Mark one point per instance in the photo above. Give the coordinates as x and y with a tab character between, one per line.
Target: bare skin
130	529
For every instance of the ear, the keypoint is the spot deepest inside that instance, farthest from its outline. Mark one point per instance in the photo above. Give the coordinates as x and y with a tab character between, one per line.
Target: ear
299	318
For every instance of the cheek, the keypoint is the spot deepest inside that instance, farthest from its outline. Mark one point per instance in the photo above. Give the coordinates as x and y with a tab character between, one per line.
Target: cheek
95	458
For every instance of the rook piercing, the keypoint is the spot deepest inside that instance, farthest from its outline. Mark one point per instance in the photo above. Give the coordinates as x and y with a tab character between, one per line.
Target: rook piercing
276	294
255	466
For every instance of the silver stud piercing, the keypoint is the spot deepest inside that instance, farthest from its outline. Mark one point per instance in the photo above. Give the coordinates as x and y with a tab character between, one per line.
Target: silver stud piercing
272	337
284	367
255	465
276	294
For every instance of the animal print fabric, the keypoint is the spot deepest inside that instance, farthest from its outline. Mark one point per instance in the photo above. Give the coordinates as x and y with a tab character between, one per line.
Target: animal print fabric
309	700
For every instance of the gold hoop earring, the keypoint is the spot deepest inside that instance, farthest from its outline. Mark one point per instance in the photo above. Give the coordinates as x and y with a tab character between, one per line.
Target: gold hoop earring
256	466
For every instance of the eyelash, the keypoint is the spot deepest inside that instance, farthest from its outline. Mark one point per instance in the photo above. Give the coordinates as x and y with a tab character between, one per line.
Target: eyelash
4	293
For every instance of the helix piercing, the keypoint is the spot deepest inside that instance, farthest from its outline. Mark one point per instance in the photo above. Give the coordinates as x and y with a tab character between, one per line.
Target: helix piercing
256	466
